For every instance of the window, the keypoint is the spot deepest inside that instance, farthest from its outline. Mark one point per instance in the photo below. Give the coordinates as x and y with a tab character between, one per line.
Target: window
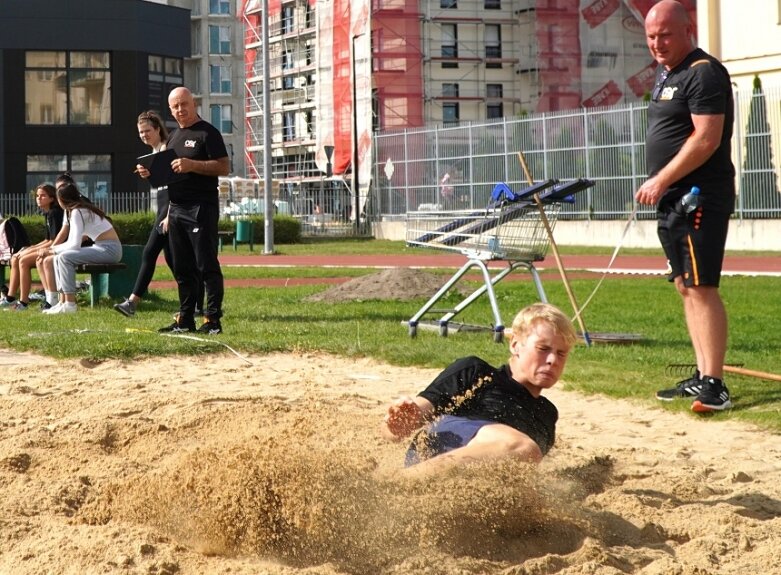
288	126
195	40
287	64
494	90
310	16
219	6
164	75
219	40
220	117
309	54
220	80
288	19
449	44
450	90
92	173
287	60
68	88
493	44
450	113
310	123
492	5
495	110
448	4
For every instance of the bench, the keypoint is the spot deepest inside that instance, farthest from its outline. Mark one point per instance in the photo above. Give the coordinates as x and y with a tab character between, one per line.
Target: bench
225	235
98	285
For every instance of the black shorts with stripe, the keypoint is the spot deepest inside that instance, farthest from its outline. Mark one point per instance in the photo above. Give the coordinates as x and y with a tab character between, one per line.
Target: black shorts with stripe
693	243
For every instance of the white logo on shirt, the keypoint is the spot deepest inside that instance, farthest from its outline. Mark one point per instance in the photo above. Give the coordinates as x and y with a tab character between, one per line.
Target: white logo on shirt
189	143
668	93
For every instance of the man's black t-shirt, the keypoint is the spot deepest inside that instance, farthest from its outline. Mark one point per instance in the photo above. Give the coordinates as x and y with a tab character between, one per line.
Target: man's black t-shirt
471	388
698	85
201	141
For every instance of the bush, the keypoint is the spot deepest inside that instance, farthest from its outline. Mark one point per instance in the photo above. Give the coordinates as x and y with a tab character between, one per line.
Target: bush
134	228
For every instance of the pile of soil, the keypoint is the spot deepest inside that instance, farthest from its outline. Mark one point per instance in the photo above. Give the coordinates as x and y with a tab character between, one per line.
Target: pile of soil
392	283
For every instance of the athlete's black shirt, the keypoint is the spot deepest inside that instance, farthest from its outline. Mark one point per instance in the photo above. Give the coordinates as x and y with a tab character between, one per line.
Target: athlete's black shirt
201	141
471	388
698	85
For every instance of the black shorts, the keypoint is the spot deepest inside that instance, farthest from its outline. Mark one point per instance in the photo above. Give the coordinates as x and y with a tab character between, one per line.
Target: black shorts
693	243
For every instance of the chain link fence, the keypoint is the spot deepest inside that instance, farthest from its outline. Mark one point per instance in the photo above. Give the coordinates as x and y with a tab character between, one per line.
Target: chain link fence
456	167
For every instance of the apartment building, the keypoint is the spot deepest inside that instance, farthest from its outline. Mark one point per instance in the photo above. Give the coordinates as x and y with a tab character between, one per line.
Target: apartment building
214	71
341	69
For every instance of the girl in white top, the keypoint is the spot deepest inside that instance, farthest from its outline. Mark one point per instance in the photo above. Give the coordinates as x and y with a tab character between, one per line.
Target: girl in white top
84	219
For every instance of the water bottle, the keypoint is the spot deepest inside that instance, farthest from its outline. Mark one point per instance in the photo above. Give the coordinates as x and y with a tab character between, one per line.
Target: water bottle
691	201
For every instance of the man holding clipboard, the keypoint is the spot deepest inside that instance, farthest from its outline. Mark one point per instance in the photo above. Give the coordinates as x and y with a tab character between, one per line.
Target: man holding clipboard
196	157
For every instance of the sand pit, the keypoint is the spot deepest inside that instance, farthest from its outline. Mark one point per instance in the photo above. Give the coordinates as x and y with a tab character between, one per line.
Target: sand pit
210	465
392	283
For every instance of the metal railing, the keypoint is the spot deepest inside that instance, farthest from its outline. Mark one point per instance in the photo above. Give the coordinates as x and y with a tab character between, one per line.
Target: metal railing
24	204
606	145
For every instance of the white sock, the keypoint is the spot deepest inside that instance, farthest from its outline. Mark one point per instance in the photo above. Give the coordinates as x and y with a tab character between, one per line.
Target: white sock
51	297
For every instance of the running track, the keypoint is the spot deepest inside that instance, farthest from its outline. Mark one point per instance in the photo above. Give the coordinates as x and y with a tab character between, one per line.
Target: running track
574	265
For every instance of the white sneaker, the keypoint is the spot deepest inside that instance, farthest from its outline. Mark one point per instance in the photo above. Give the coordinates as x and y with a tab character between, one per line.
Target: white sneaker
66	307
56	306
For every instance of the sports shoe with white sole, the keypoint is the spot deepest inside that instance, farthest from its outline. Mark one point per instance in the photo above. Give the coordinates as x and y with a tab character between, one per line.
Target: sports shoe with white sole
210	327
52	309
126	308
688	388
713	397
65	307
178	326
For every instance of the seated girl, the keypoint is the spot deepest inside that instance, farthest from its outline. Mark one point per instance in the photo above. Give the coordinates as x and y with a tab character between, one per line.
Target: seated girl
84	219
24	260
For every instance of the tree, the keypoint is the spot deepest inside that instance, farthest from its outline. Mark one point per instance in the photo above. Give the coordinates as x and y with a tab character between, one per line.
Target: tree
759	189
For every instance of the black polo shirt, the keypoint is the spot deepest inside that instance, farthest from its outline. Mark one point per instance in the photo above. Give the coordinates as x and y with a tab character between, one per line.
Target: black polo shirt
698	85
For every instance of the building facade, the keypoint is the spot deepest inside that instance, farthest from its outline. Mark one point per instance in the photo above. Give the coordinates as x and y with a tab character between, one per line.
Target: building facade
214	70
340	70
75	74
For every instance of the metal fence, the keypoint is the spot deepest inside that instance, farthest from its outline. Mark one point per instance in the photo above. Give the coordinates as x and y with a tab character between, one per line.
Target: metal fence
24	204
456	167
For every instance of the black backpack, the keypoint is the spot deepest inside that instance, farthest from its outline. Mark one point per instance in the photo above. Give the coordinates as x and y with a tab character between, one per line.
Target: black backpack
15	238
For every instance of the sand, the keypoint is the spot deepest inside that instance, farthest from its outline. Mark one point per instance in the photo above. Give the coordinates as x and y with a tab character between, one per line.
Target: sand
213	465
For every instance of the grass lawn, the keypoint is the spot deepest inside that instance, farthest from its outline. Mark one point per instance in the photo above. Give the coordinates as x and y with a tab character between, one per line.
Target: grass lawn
264	319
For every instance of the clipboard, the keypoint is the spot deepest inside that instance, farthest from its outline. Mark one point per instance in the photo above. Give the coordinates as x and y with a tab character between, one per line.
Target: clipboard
159	166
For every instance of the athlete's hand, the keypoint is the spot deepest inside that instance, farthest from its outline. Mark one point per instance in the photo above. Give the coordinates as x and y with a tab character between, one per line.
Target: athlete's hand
403	417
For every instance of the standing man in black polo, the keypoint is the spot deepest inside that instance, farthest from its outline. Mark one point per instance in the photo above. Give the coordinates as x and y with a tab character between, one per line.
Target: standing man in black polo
690	119
194	212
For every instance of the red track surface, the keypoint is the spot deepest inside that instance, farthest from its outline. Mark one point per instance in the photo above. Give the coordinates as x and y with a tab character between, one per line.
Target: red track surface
575	266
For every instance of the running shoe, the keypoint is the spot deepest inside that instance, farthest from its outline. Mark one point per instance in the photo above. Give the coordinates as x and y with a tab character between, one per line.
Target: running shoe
686	388
178	327
19	305
45	305
65	307
5	302
210	326
38	296
126	308
713	397
49	309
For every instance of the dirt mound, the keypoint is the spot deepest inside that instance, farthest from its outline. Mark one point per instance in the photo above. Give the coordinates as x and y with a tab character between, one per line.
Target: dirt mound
392	283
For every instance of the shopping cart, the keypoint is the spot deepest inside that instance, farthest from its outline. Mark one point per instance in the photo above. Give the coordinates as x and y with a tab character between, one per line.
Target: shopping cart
510	229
